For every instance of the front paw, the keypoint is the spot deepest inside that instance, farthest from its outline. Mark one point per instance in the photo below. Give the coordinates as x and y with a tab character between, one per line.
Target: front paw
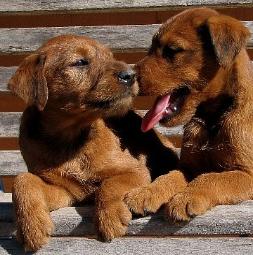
186	205
143	200
113	220
34	229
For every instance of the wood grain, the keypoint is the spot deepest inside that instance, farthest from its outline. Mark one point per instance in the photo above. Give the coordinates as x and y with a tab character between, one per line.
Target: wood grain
11	163
9	125
111	17
10	121
118	38
138	246
19	6
78	221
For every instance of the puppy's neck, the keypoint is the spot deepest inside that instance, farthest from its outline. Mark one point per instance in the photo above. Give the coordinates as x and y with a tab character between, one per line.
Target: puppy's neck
67	127
231	89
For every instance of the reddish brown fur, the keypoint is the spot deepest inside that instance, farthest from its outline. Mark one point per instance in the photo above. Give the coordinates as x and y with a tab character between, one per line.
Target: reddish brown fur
216	156
75	140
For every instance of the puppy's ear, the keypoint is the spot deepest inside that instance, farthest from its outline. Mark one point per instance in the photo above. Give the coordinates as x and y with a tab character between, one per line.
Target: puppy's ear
29	81
228	36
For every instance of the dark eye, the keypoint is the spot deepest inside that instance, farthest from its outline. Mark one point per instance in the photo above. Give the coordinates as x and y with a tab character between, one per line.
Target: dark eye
81	62
169	52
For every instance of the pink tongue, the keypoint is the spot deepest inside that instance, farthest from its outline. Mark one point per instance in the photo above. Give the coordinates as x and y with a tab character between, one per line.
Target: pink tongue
155	114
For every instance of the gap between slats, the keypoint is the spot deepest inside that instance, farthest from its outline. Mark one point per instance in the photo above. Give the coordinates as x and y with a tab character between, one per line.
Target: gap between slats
128	17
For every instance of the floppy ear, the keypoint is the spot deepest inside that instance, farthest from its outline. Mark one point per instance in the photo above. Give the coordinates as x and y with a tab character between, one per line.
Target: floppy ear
228	36
29	81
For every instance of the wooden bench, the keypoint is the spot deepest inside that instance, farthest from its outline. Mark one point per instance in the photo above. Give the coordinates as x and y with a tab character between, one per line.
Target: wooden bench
127	27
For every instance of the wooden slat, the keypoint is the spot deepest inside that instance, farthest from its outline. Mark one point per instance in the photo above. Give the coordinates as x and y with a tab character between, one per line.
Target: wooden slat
119	38
7	183
10	121
113	17
11	163
9	143
30	6
5	198
11	103
9	125
5	75
138	246
78	221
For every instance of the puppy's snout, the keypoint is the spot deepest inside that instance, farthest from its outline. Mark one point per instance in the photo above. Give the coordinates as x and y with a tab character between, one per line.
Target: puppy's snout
127	77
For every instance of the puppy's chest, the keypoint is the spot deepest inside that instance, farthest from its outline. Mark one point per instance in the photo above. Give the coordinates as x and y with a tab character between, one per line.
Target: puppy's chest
207	148
104	152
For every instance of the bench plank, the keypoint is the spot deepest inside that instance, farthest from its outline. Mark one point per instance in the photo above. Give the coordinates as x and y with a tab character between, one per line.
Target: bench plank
138	246
11	163
78	221
118	38
5	75
9	125
30	6
10	121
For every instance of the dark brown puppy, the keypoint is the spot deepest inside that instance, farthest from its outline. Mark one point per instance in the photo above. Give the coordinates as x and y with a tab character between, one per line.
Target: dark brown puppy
199	66
72	146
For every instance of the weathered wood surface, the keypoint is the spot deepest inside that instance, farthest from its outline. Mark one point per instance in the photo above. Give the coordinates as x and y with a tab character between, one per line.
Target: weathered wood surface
30	6
138	246
10	121
16	40
118	38
78	221
11	163
5	75
5	198
9	124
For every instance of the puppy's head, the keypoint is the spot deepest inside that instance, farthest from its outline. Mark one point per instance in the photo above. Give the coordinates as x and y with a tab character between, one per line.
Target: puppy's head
75	75
181	67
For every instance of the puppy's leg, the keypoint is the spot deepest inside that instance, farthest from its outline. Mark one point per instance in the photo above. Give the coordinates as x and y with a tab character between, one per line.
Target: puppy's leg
33	200
209	190
151	197
113	214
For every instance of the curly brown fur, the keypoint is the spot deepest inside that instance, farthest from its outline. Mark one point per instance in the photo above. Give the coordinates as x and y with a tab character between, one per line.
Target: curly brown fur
75	139
203	52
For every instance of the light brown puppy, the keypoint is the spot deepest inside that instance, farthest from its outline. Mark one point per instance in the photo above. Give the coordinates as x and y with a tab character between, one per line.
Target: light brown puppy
72	145
199	67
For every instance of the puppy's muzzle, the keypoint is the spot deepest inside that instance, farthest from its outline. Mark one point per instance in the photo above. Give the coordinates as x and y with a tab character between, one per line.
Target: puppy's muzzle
127	77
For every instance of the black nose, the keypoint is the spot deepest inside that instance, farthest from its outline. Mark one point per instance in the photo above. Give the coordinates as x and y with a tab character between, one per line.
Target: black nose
127	77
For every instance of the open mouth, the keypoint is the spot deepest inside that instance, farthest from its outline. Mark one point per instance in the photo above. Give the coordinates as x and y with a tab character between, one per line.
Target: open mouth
165	108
